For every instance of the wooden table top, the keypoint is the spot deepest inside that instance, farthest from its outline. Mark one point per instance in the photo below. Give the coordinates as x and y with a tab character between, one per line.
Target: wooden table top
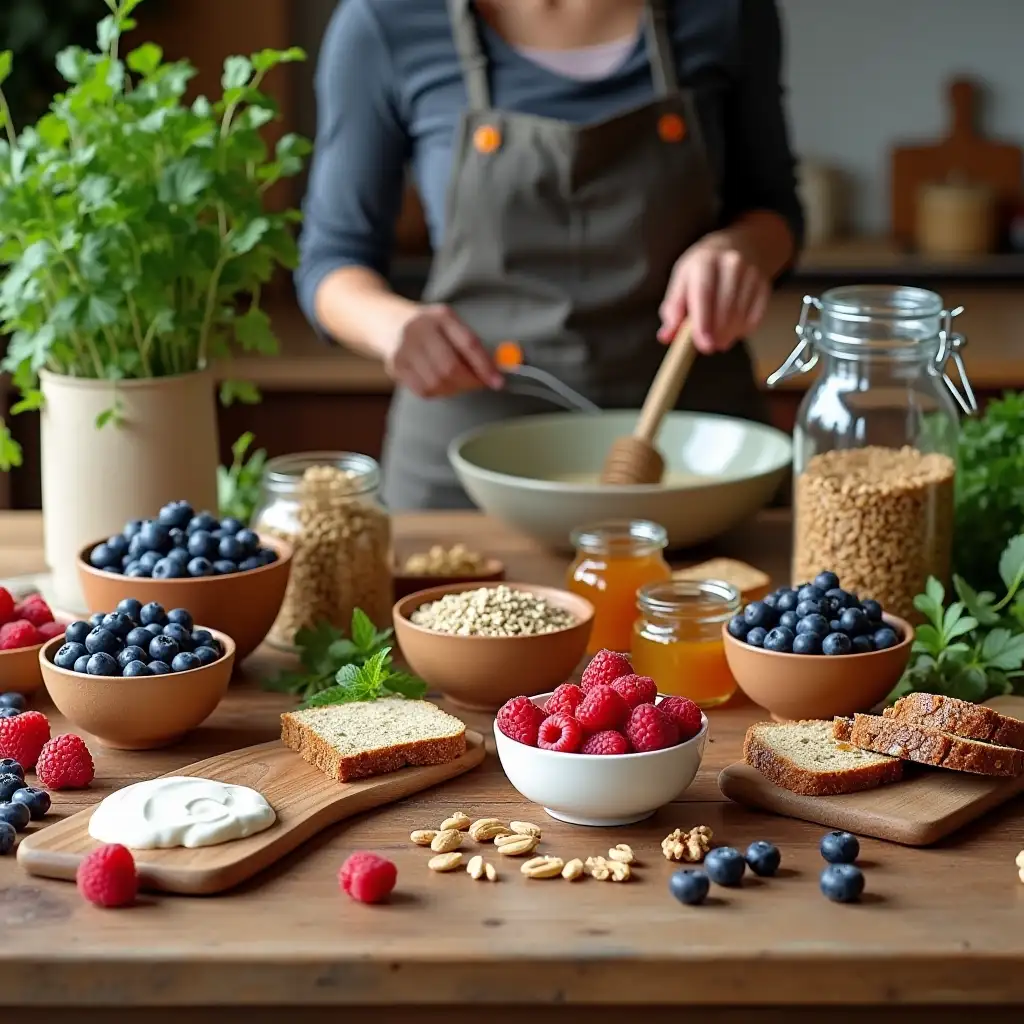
939	925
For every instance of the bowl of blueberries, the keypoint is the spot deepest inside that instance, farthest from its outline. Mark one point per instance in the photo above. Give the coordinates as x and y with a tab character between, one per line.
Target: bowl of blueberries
816	650
138	677
230	577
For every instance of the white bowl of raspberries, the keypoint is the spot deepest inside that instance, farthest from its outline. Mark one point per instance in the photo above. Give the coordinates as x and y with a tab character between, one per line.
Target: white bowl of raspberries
609	751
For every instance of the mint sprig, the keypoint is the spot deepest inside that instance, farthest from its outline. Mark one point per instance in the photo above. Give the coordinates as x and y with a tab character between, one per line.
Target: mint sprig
377	678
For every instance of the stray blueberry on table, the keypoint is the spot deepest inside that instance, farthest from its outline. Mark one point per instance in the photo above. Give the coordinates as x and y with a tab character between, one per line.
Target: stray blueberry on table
159	668
102	664
181	617
82	664
9	785
186	661
36	800
813	623
738	627
153	614
789	620
779	640
757	613
13	700
842	883
16	815
163	648
836	643
839	847
8	837
689	886
77	632
725	865
102	641
763	858
885	638
180	635
826	581
8	766
130	606
755	637
205	655
863	644
872	609
68	654
135	668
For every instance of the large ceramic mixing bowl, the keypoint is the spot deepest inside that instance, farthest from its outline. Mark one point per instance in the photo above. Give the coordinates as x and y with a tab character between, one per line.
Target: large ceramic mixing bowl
539	473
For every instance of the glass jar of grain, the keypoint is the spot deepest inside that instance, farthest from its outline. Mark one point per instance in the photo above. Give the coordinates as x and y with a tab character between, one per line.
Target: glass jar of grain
875	440
326	505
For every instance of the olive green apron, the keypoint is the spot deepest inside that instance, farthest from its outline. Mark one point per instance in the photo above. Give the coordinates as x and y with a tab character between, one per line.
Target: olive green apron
562	237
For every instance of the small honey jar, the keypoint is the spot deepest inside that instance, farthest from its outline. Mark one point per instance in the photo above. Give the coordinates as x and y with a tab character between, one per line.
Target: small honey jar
677	639
613	560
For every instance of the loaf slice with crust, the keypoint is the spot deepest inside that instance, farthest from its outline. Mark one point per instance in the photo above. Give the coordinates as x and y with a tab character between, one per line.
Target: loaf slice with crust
364	738
919	743
803	757
958	717
841	729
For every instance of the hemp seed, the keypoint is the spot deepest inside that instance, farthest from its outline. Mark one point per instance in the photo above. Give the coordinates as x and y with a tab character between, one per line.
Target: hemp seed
493	611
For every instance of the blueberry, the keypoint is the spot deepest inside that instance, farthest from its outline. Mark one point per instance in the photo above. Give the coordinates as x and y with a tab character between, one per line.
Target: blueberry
787	601
763	858
102	665
169	569
230	550
863	644
789	620
872	609
826	581
13	700
805	608
181	617
179	539
135	668
180	635
8	766
842	883
15	815
815	624
138	637
206	655
130	654
199	567
131	528
118	624
163	648
95	619
755	637
153	629
148	559
725	865
201	637
137	571
809	592
176	513
136	547
155	537
249	540
130	606
267	556
203	521
118	544
185	662
836	643
102	641
853	622
67	654
779	639
159	668
214	644
101	557
77	632
770	599
223	567
82	665
36	800
202	545
250	563
885	637
230	525
9	712
757	613
9	785
153	613
689	886
843	598
839	847
179	556
806	643
834	626
7	838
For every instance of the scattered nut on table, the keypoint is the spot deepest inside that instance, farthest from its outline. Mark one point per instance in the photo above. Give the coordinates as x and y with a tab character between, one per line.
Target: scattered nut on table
622	853
690	846
543	867
441	561
446	841
521	845
478	868
525	828
423	836
573	870
459	821
602	869
445	861
483	830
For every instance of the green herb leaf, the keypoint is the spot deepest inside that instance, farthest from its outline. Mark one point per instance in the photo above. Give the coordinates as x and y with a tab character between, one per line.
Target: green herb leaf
238	73
1011	565
315	644
6	63
1002	650
242	391
407	685
145	59
254	332
980	605
363	630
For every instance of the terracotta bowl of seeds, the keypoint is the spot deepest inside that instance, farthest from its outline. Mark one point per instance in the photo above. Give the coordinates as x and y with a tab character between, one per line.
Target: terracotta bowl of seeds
481	670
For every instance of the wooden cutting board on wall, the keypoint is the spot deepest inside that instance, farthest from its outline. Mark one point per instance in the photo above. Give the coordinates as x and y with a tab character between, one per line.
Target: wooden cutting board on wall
964	154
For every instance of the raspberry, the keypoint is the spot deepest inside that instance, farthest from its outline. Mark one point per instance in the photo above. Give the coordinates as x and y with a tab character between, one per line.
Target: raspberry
635	690
20	633
651	729
603	668
6	606
560	732
49	630
519	719
685	714
566	699
602	708
367	877
35	610
65	763
23	737
107	877
611	741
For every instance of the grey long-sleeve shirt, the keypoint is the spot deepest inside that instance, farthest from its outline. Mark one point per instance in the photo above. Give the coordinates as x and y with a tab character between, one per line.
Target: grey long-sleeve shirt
390	93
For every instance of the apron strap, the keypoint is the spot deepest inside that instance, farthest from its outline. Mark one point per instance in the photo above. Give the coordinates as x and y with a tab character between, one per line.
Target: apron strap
659	48
472	59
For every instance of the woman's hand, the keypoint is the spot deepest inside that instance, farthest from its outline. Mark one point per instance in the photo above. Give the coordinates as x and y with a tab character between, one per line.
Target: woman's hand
720	289
435	355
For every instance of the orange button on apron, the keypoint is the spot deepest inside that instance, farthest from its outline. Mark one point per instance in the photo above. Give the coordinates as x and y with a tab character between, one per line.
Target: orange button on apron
671	128
486	139
508	355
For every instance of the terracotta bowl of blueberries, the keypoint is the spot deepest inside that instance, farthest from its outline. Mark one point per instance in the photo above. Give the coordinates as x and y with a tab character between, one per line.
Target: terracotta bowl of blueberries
231	578
139	677
816	650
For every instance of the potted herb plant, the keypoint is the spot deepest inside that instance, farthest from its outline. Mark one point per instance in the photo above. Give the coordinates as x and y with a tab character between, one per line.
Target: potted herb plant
136	243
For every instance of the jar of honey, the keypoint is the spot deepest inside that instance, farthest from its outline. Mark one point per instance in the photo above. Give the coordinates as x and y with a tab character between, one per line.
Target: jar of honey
613	560
677	640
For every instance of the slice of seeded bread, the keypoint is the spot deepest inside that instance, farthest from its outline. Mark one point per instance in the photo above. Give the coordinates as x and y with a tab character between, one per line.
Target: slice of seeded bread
364	738
959	718
919	743
803	757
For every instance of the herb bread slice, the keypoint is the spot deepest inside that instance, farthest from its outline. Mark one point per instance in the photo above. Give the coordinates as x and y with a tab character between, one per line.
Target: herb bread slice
959	718
804	757
364	738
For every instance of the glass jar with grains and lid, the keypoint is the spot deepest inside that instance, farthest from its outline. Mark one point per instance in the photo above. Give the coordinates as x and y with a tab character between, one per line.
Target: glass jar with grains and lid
875	440
326	505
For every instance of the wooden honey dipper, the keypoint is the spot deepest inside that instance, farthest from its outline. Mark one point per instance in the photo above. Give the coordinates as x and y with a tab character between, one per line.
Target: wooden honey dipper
635	459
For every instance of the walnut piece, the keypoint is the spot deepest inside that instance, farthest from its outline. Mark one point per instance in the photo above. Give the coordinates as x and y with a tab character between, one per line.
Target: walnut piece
689	847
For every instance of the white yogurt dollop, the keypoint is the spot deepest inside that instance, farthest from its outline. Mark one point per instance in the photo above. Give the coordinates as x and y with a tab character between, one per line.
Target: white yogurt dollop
180	811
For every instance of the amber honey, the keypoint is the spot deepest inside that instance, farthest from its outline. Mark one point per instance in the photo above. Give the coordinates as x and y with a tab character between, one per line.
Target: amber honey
677	638
613	561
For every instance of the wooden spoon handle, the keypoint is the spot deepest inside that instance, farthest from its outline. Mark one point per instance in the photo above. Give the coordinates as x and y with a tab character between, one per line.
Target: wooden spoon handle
668	382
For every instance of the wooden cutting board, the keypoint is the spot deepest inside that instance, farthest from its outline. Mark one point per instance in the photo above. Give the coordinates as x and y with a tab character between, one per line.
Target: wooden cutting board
306	802
964	153
926	806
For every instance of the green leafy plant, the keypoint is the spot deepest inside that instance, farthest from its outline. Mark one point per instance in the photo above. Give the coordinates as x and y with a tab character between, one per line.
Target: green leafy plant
238	485
337	669
133	224
974	647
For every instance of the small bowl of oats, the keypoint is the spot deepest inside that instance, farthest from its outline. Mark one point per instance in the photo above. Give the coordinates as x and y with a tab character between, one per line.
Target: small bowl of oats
481	644
441	566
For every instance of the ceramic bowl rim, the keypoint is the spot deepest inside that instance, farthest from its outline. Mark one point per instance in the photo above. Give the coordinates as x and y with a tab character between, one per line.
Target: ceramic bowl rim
46	660
464	465
282	547
420	598
633	755
908	638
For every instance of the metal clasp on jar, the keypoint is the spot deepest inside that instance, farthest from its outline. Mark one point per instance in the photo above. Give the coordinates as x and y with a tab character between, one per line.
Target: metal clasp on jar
950	344
795	362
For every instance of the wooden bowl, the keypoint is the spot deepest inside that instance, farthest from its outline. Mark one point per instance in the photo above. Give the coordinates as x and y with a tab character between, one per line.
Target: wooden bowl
480	673
492	571
139	713
798	686
244	605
